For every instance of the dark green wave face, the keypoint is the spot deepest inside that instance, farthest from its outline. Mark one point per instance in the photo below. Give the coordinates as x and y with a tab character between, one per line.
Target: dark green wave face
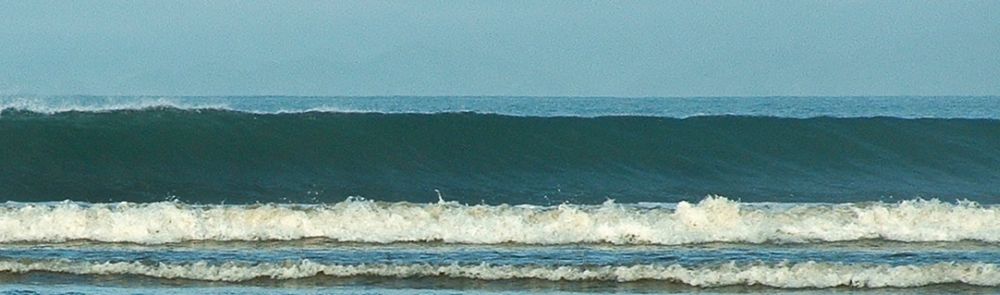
210	156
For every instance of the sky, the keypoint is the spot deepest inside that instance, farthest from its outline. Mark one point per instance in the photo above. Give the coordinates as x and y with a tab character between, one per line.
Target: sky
498	48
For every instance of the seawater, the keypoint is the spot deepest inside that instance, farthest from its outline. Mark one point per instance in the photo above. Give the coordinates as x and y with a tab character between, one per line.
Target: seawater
494	195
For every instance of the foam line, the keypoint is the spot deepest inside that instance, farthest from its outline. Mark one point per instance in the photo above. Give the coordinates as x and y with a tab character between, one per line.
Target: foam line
714	219
802	275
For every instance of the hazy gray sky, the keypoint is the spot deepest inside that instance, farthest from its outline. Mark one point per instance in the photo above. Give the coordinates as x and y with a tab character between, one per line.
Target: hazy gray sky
573	48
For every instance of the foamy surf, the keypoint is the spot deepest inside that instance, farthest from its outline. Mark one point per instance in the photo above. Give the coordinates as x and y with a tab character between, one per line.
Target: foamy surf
800	275
714	219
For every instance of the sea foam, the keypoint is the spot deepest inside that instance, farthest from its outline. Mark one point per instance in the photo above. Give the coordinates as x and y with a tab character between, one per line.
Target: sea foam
714	219
800	275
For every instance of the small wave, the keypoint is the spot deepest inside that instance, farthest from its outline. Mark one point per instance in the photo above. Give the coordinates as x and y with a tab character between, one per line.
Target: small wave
714	219
674	107
55	106
800	275
269	105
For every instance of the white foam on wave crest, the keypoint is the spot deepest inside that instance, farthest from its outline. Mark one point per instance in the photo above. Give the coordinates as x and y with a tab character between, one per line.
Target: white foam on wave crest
714	219
106	104
800	275
56	105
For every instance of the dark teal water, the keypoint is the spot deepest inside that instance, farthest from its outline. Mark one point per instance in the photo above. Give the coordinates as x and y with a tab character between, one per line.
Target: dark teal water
213	156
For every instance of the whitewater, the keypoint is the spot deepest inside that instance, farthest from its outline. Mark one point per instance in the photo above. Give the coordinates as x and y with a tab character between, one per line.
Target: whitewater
804	275
714	219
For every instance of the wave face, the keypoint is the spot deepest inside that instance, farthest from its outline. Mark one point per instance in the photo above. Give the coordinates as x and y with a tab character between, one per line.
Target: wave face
714	219
215	156
801	275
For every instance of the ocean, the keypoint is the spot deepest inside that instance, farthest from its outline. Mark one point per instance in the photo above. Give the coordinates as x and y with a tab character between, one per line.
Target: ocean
499	195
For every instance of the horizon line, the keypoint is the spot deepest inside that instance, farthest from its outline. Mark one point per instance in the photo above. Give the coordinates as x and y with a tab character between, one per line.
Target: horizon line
25	95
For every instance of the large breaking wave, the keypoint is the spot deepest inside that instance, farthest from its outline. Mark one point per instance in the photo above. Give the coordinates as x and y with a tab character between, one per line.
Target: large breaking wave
177	189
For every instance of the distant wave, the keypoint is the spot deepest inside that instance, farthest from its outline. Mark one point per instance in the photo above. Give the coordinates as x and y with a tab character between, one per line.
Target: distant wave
801	275
53	106
213	156
714	219
669	107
